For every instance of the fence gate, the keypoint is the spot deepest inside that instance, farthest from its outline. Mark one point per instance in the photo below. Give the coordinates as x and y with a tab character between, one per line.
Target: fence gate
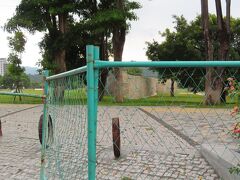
118	120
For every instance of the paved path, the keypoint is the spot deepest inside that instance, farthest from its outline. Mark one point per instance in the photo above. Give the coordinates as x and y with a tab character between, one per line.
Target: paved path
19	145
204	126
149	150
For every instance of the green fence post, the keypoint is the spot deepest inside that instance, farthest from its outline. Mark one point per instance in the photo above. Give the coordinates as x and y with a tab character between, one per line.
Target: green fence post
44	123
96	79
91	114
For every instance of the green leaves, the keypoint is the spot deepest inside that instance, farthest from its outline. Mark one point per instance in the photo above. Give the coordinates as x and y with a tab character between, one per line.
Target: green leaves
30	15
109	15
71	24
17	42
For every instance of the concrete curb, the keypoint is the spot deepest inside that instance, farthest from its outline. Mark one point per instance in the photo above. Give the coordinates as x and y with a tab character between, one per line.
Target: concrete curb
221	159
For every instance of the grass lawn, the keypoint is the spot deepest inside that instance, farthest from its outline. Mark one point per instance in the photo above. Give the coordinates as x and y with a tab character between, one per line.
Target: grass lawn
182	98
6	99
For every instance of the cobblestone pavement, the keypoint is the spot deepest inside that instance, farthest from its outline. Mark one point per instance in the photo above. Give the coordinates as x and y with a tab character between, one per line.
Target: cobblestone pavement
19	145
203	125
148	149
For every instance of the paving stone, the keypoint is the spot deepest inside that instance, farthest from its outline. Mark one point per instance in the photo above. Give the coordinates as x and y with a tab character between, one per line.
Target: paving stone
158	154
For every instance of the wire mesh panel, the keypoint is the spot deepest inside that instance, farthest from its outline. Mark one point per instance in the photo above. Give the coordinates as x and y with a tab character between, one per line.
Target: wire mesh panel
167	123
66	133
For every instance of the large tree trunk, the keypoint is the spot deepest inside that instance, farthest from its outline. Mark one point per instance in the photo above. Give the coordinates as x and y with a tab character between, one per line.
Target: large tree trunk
60	59
208	51
60	54
119	35
103	72
224	40
214	84
118	44
223	30
224	53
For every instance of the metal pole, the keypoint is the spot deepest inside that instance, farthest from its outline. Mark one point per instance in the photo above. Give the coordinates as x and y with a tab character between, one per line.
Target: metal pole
44	125
108	64
96	79
91	114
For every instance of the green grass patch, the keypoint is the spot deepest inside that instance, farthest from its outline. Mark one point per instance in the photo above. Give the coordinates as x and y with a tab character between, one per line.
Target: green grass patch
72	97
183	100
7	99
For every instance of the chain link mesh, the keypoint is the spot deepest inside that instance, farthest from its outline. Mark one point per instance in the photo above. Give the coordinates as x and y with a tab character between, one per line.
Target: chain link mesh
171	126
66	135
168	124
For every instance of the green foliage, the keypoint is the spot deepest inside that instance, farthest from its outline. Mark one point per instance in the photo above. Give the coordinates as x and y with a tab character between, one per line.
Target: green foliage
108	14
25	80
16	76
36	81
134	71
87	22
9	81
17	43
186	43
38	15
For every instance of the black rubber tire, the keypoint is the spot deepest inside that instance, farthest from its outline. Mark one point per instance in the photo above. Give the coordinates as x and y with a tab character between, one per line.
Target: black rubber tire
49	140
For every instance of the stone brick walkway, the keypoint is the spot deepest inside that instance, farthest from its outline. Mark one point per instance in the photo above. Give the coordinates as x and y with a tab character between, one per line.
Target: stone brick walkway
203	125
19	145
148	149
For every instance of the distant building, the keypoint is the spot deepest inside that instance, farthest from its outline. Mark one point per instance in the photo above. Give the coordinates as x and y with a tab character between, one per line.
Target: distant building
3	66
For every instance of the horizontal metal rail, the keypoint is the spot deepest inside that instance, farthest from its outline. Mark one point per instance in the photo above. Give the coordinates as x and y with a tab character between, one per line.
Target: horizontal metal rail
22	94
109	64
67	73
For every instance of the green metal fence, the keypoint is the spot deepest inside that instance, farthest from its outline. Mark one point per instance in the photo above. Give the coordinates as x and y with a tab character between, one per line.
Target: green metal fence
147	134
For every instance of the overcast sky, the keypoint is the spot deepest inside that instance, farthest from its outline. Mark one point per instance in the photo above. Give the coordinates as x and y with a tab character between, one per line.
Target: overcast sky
154	16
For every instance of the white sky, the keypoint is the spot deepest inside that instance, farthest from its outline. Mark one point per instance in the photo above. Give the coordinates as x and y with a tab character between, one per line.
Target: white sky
154	16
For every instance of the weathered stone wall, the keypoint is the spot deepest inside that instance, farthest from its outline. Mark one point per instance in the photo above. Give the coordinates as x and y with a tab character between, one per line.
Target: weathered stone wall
135	87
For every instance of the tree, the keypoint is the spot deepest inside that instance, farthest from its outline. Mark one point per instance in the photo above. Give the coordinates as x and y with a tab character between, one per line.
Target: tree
16	44
70	25
115	14
53	18
25	80
7	81
123	8
179	45
110	20
187	42
208	52
214	84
